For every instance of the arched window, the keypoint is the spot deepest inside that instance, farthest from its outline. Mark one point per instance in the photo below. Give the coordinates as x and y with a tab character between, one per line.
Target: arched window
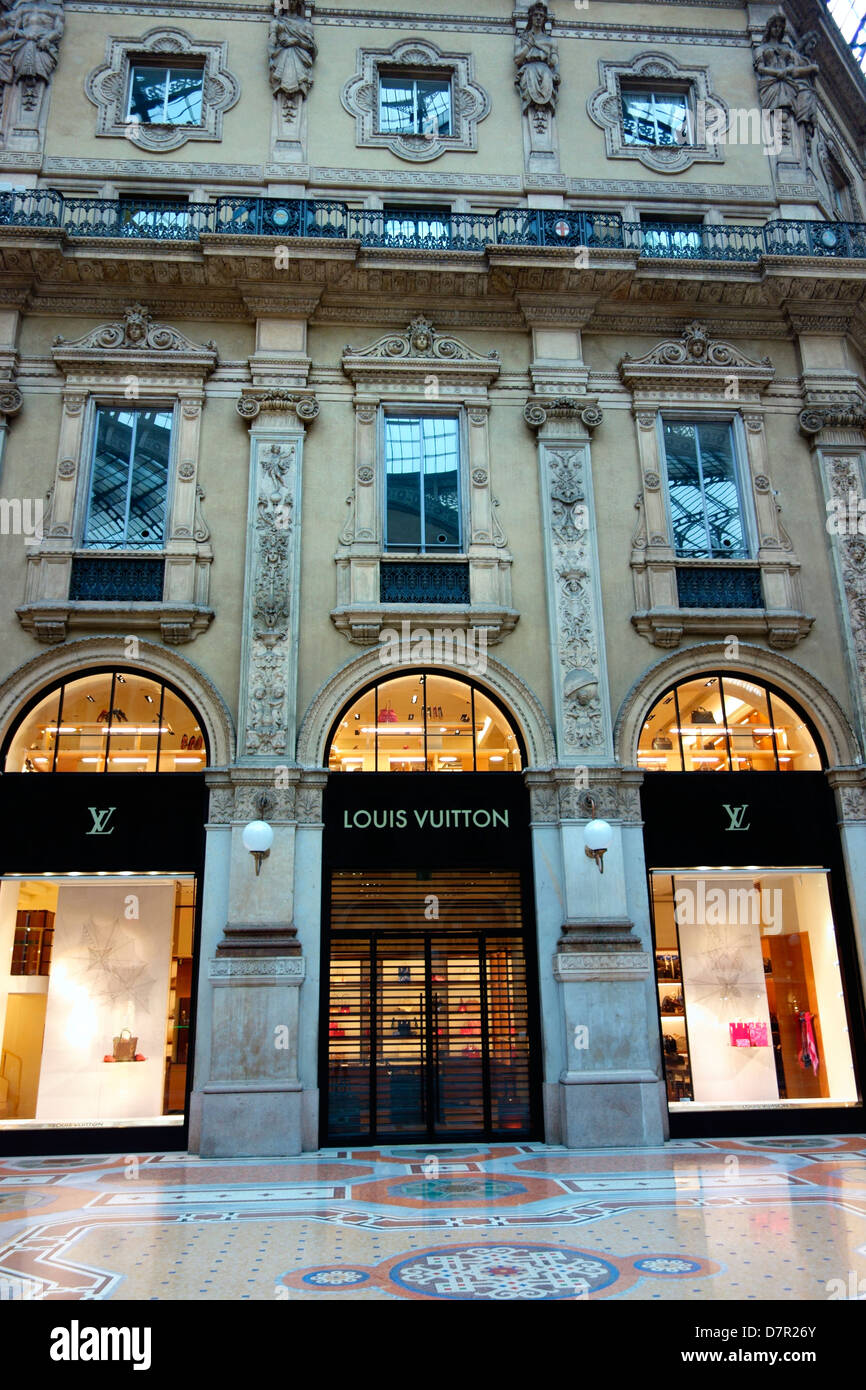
111	719
724	722
424	722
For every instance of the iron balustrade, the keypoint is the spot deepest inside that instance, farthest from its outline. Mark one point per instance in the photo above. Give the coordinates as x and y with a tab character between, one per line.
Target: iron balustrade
719	588
107	579
413	581
152	219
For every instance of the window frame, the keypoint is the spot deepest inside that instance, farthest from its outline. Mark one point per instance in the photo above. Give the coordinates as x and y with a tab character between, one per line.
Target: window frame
136	63
413	411
95	405
415	75
734	421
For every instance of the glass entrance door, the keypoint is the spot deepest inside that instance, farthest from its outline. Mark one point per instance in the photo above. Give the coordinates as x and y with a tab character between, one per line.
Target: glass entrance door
428	1030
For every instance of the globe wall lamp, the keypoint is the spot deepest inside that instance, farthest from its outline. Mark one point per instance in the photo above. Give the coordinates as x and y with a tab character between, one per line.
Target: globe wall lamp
258	836
597	834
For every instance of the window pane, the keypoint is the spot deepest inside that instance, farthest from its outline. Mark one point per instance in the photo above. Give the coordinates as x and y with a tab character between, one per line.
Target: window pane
721	494
413	223
147	94
684	488
495	743
182	744
702	725
747	721
403	481
106	518
83	734
396	105
184	97
149	479
441	485
32	749
449	724
796	747
401	725
354	745
654	118
434	107
659	745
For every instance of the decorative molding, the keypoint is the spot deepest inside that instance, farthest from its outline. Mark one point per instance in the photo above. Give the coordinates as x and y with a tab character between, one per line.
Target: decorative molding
303	404
134	341
290	969
573	967
694	361
110	169
469	101
832	410
539	409
605	109
420	351
107	87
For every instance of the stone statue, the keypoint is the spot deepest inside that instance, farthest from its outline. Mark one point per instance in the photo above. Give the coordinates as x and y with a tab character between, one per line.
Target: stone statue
30	34
786	76
806	103
292	50
537	61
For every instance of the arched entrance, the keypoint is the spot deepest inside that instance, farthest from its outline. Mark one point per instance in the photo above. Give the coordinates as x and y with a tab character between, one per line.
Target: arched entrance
759	1002
429	991
104	802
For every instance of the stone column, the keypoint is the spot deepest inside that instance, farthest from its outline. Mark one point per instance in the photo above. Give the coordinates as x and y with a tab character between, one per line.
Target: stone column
610	1087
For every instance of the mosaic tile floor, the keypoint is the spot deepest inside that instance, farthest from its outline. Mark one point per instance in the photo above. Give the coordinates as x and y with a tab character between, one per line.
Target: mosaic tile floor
777	1219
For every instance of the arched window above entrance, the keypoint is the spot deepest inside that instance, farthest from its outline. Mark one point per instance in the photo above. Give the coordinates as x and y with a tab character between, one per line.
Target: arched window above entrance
107	720
721	721
424	722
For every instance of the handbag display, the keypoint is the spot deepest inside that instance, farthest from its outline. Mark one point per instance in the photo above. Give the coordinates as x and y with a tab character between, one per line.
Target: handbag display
388	715
699	715
662	743
124	1046
673	1004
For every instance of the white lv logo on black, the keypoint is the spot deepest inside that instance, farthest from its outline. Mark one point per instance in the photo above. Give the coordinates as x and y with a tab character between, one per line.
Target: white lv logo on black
736	815
101	819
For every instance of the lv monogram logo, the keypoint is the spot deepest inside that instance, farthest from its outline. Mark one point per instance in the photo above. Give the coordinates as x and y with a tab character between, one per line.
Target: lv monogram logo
736	815
101	817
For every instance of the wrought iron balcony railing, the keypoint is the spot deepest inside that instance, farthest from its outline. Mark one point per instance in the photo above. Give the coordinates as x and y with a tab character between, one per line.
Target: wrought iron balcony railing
414	581
415	229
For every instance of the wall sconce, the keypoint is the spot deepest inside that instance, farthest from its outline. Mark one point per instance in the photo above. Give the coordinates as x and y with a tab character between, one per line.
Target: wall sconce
258	836
597	834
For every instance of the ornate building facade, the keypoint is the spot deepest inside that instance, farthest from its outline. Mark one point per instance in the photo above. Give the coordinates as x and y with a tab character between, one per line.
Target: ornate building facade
471	399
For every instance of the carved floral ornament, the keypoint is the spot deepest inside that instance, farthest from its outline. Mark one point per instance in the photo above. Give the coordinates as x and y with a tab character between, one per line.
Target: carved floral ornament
836	410
135	342
695	361
108	85
469	101
605	109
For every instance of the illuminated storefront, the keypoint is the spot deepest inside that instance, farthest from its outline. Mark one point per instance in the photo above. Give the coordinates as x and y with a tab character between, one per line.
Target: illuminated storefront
756	973
429	1010
101	882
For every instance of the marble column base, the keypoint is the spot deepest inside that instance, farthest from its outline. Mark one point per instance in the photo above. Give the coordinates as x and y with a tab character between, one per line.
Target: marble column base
612	1109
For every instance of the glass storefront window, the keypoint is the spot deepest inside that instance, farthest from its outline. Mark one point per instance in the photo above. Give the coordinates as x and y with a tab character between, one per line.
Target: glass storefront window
424	722
750	991
108	721
95	1012
722	722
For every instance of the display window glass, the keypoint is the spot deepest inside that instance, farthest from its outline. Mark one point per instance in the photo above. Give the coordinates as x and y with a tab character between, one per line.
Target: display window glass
95	999
422	722
750	996
722	722
108	721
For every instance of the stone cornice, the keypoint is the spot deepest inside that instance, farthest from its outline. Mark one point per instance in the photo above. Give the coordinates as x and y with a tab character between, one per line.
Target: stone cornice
418	352
694	360
135	342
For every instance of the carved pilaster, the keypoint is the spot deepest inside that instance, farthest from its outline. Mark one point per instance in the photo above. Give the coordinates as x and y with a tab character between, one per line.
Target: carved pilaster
574	597
292	51
30	34
267	705
536	57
